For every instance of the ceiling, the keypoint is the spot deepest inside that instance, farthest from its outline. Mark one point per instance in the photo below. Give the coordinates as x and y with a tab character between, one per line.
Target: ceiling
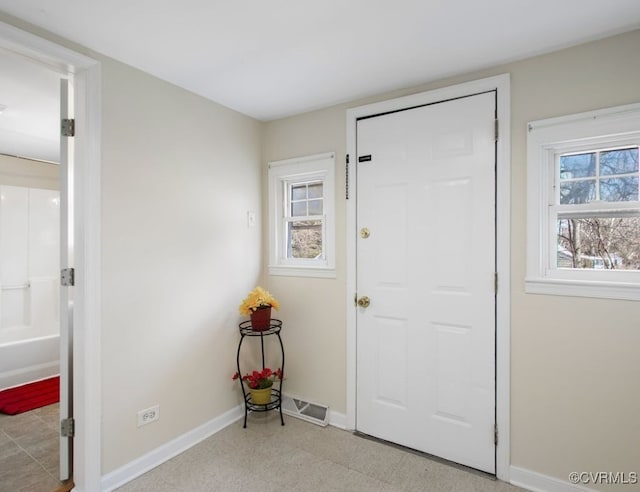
283	57
29	94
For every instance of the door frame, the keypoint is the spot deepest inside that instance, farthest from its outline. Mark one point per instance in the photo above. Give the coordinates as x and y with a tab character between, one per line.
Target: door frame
501	84
87	405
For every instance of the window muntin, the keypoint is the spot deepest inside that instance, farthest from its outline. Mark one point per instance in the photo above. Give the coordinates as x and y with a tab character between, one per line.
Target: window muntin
608	175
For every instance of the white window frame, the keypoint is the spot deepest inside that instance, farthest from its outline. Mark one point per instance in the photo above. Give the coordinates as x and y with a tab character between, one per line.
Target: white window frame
547	139
318	167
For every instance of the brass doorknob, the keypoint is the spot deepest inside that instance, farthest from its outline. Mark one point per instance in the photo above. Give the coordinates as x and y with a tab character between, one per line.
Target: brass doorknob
364	302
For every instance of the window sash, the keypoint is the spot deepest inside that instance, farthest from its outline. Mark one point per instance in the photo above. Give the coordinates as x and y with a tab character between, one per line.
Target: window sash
287	248
597	177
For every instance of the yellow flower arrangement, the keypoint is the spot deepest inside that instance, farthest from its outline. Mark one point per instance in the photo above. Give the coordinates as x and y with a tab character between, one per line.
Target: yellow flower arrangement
256	299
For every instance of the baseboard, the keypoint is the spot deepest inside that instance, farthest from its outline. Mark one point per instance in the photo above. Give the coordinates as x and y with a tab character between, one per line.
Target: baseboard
36	372
337	419
134	469
536	482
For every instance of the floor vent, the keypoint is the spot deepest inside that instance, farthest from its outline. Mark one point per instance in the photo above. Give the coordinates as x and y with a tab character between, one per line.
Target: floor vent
305	410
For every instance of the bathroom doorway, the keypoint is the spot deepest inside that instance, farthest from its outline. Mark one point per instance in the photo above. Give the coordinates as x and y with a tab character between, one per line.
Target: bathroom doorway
34	219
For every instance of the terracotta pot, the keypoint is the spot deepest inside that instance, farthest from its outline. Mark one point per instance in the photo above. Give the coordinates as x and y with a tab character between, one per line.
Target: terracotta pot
261	319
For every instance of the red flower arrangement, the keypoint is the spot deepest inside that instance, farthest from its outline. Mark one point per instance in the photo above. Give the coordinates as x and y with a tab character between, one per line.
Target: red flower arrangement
260	380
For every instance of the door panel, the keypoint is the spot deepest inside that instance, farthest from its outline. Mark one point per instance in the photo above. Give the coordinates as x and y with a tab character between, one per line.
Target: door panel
426	343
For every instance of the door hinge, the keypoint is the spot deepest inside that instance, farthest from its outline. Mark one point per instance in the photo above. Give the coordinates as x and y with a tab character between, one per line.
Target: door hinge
67	427
68	127
346	179
495	434
495	283
495	129
67	277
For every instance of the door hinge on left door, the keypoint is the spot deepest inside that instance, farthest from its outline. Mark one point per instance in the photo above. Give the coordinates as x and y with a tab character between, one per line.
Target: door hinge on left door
495	435
67	277
68	127
67	427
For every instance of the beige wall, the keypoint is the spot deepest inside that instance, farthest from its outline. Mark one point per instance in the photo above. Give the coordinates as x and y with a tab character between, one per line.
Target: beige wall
574	406
179	174
16	171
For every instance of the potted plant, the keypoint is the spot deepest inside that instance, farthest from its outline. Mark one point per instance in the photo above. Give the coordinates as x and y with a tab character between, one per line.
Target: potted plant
257	305
260	383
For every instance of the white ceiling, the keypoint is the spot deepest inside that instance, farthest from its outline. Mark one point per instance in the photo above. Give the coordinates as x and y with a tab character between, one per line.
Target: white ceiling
270	59
31	93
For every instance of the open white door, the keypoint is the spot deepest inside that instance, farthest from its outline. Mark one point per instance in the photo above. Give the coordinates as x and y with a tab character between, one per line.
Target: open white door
66	301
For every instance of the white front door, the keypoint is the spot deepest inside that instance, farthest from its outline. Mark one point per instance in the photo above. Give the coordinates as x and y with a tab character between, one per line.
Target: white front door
426	261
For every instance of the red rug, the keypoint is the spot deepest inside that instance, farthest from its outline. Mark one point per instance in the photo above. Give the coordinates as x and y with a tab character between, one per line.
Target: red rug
29	396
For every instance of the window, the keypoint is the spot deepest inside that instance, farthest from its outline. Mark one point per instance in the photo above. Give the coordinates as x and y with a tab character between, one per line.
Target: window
583	225
301	217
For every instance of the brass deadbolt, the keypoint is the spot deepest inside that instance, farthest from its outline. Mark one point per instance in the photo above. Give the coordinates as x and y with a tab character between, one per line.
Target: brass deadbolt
364	233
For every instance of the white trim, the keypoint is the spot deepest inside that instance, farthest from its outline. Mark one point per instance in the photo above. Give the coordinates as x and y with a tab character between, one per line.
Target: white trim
164	453
295	271
587	116
337	419
300	160
537	482
87	360
577	288
503	211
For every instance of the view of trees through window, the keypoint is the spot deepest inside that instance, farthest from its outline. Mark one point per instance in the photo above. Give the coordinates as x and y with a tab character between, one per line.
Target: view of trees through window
596	239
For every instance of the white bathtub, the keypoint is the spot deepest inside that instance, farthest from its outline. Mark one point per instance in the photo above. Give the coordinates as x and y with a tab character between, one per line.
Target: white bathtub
29	360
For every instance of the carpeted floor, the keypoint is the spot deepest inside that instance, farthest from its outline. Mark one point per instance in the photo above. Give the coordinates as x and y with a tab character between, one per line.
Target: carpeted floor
304	457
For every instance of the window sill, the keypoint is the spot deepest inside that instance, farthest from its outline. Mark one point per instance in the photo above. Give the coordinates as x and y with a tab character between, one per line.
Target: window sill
582	288
297	271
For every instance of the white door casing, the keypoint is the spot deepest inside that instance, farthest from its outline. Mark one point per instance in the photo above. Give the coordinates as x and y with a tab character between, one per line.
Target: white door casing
87	218
356	117
425	345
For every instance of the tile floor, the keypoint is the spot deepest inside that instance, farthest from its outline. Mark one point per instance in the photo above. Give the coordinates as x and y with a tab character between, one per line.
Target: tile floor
304	457
29	450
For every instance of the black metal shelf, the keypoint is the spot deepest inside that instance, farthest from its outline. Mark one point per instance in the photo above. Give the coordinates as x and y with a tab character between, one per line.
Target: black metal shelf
264	407
275	325
246	330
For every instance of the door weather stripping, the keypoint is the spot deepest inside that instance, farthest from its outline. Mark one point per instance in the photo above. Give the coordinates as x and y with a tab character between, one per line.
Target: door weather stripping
67	277
68	127
67	428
